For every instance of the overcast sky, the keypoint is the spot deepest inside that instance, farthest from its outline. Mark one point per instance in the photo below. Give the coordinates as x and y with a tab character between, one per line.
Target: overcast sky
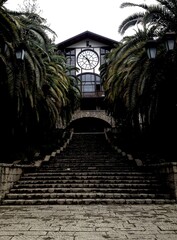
71	17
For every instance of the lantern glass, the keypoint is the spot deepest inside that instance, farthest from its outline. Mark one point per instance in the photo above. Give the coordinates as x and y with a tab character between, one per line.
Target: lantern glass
170	44
3	48
170	38
151	52
151	48
20	53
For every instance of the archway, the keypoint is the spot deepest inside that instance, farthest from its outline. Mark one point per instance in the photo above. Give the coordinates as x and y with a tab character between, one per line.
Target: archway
89	124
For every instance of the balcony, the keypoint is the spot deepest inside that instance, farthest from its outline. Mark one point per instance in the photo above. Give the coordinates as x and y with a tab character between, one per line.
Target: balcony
95	94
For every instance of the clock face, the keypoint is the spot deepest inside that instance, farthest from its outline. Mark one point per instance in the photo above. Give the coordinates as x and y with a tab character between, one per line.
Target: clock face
87	59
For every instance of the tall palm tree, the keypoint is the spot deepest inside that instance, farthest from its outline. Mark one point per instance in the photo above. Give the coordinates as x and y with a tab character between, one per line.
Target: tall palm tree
145	88
125	79
162	15
36	89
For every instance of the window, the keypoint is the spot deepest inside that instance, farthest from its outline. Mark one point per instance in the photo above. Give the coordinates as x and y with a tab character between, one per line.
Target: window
71	60
90	83
103	52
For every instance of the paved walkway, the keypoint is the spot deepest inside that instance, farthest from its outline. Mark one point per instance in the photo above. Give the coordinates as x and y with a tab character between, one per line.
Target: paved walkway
101	222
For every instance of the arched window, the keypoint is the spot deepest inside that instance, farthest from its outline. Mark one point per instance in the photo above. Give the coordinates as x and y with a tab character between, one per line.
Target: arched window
90	84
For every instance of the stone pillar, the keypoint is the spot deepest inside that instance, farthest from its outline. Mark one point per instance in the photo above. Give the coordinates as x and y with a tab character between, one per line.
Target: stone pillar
9	174
168	175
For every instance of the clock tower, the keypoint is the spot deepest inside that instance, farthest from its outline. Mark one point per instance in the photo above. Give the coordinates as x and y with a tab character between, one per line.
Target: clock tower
86	52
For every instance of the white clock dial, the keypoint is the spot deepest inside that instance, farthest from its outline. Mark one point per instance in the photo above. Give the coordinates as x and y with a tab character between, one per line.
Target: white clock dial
88	59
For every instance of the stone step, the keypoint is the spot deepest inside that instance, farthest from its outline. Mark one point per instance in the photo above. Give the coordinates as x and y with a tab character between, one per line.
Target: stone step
87	185
89	181
92	195
87	157
88	163
85	168
88	171
90	156
88	152
89	177
86	201
80	189
91	174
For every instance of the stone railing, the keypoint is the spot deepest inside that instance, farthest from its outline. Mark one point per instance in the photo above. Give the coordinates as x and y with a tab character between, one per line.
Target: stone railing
128	156
11	173
167	171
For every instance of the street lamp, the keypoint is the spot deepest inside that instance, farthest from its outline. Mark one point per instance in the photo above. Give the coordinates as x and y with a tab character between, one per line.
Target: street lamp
20	53
151	48
151	45
169	39
3	47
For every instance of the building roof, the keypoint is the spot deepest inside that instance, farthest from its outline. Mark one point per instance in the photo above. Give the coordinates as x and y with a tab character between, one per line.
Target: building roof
86	35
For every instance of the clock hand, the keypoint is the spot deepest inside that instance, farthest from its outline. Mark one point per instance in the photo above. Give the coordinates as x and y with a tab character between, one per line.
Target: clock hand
87	59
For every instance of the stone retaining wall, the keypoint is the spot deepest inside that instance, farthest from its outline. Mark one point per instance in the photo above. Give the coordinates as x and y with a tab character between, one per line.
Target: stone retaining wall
9	174
168	174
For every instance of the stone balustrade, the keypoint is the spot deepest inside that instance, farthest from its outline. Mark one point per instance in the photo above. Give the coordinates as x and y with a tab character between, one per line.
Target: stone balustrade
9	174
167	172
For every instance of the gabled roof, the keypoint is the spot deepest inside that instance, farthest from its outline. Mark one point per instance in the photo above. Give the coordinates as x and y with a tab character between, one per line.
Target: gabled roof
86	35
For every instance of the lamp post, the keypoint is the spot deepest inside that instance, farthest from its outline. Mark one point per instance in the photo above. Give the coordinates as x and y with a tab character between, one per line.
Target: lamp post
163	75
3	47
20	53
151	48
169	41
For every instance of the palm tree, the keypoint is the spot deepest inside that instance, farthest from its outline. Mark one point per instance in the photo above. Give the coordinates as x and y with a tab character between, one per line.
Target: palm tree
125	79
139	91
163	16
36	89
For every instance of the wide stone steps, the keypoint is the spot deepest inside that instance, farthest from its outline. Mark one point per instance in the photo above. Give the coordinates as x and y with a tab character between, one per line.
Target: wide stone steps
81	190
127	173
88	171
56	173
91	181
86	195
89	185
86	168
85	201
85	163
88	161
132	179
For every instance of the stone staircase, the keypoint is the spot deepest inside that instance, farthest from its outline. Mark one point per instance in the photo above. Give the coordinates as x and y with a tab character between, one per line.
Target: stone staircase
88	171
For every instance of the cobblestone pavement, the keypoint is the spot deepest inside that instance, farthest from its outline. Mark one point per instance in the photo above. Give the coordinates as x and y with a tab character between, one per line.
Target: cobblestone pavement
92	222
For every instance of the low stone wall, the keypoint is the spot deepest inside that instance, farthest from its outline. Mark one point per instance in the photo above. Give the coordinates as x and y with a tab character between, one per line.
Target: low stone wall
166	171
128	156
168	175
9	174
